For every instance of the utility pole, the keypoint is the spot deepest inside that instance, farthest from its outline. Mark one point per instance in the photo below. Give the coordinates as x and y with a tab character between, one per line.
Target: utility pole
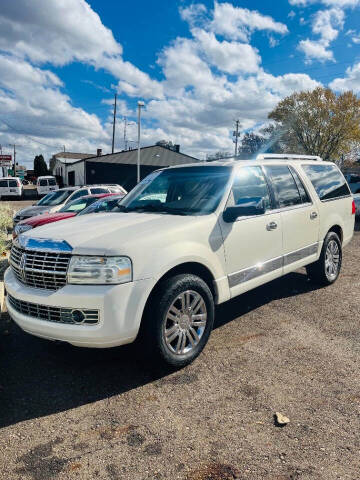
113	137
236	134
125	139
140	104
14	168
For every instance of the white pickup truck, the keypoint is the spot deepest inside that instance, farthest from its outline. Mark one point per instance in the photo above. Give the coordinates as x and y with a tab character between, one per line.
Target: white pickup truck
183	240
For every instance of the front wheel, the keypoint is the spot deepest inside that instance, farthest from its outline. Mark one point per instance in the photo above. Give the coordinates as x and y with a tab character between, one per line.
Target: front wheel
179	320
327	269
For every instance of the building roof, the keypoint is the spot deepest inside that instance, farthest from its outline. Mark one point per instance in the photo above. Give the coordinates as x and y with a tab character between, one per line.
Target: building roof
72	155
157	156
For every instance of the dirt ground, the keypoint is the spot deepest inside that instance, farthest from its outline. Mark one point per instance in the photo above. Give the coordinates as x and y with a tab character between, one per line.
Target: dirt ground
288	346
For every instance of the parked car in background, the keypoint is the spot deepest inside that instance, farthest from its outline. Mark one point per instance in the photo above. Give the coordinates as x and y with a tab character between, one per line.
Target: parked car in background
108	204
353	180
54	201
11	187
71	209
185	239
45	185
357	204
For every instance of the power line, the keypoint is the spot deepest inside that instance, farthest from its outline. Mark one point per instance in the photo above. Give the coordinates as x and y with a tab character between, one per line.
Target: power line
30	138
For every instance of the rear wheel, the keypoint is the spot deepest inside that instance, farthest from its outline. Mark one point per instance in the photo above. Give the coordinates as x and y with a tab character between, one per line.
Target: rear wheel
327	269
179	320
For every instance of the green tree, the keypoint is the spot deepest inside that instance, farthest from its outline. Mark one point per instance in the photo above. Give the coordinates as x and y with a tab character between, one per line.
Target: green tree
318	122
40	167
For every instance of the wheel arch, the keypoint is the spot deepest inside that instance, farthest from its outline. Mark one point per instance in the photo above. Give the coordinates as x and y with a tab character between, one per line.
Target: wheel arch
338	230
193	267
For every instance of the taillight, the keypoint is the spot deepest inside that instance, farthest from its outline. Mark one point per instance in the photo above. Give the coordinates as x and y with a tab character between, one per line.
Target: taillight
353	208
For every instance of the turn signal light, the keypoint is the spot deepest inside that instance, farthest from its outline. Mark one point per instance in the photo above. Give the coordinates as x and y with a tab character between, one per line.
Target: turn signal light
353	208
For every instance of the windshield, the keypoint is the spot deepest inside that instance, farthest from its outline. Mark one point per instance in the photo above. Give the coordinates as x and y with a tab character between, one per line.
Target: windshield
78	204
179	191
104	205
55	198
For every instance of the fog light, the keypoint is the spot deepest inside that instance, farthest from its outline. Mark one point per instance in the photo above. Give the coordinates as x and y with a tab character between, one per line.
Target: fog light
78	316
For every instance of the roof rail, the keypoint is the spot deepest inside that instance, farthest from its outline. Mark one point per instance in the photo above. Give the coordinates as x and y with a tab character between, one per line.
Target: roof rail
287	156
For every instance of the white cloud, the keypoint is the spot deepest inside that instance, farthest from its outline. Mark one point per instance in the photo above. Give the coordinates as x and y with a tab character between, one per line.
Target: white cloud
328	3
229	57
326	24
239	23
350	82
58	31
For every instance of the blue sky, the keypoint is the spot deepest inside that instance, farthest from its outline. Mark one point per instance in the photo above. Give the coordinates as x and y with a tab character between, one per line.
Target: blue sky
197	65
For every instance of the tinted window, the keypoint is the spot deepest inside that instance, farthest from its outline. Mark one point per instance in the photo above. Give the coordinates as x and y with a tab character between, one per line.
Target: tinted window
97	190
55	198
3	183
286	191
327	181
303	193
13	183
52	181
43	182
79	193
250	188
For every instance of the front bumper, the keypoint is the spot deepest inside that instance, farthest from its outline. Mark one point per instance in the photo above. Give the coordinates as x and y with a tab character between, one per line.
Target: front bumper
120	310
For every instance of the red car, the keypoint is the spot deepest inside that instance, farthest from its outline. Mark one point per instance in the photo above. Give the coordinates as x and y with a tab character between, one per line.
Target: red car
68	211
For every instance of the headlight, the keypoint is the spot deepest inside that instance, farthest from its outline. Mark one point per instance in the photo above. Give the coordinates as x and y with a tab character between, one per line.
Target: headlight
22	228
99	270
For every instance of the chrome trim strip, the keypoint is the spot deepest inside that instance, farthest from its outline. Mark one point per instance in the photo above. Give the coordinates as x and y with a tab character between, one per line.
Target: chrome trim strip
260	269
255	271
43	244
297	255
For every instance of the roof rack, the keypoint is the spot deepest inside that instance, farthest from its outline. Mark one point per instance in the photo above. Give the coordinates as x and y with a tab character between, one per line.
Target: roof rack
287	156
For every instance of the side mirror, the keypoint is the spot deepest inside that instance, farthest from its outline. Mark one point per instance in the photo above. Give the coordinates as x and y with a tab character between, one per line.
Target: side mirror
232	213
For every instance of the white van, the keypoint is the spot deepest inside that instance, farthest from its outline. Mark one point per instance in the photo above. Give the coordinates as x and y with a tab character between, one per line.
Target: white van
11	187
46	184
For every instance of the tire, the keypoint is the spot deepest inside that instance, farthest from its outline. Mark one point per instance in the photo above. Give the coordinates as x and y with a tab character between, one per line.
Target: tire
168	332
327	269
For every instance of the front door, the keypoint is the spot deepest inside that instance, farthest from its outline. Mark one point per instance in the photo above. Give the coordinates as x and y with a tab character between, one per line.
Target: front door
253	245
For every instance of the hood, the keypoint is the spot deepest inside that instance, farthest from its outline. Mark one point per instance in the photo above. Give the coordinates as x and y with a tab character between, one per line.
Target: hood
32	211
46	218
116	233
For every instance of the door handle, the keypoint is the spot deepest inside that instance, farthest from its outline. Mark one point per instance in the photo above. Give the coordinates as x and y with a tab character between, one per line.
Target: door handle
313	215
271	226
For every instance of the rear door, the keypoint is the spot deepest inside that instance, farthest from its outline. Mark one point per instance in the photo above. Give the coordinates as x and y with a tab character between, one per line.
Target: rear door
4	188
14	188
253	245
299	216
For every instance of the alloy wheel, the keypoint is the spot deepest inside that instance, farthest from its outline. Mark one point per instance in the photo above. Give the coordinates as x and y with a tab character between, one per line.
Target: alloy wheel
185	322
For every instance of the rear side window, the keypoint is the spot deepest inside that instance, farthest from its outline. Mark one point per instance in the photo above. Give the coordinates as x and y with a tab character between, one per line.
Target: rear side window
97	190
79	193
286	191
327	181
303	193
13	183
250	188
3	183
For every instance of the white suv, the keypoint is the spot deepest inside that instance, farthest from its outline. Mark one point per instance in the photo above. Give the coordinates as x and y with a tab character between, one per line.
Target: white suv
183	240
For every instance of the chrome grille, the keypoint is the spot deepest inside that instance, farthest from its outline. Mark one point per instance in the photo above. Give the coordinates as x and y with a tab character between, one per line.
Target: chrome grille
39	269
55	314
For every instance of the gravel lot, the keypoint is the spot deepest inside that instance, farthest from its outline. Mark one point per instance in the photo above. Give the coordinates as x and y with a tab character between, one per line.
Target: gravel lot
289	346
